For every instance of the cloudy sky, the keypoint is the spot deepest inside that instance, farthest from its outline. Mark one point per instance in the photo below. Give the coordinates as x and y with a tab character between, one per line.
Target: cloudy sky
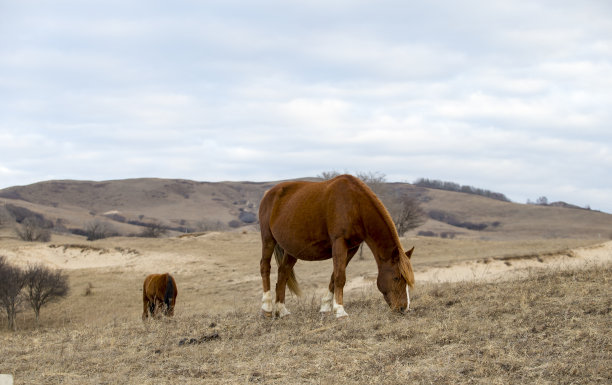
510	96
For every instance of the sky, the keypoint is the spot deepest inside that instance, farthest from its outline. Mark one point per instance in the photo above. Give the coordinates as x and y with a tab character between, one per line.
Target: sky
509	96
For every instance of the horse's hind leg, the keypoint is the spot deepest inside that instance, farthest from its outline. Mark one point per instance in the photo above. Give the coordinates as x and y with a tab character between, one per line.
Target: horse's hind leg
284	270
264	266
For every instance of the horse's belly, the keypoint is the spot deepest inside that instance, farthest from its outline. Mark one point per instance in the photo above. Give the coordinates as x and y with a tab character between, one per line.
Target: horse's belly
309	252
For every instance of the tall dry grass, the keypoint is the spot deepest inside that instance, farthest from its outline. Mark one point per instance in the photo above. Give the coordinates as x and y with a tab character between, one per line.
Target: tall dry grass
552	327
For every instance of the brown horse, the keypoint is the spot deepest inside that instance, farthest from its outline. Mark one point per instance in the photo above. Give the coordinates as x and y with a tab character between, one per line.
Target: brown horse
158	294
313	221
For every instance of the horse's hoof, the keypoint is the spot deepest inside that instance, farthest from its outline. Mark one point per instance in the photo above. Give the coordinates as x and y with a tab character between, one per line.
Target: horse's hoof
266	314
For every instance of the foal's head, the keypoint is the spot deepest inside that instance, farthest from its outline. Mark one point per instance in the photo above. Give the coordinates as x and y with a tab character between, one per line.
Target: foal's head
394	277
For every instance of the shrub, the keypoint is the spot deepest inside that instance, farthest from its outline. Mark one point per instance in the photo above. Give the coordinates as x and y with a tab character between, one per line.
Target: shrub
12	280
99	230
427	234
43	285
247	217
32	230
234	224
153	230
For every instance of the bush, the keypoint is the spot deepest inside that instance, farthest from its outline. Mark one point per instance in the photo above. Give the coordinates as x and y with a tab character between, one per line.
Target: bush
234	224
32	230
43	285
153	230
99	230
12	280
247	217
427	234
210	225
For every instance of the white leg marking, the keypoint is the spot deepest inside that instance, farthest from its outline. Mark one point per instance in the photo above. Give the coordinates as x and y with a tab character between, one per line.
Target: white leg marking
326	302
339	310
267	302
408	298
281	310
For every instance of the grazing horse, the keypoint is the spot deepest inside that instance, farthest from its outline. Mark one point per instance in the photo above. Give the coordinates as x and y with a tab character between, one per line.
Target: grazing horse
158	293
313	221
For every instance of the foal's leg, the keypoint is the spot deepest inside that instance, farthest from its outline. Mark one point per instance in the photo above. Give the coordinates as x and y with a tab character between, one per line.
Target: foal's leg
284	269
328	300
264	266
145	307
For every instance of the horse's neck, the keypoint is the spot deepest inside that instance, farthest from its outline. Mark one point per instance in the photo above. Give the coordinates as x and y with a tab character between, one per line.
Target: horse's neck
381	236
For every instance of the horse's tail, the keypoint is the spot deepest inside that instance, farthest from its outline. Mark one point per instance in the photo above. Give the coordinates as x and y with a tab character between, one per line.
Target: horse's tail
169	292
292	282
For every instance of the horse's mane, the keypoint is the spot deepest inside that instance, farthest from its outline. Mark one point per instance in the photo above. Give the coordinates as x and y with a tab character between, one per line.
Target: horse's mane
404	263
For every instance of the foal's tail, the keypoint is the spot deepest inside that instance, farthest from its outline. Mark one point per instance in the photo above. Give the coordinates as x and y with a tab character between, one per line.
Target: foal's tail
169	291
292	282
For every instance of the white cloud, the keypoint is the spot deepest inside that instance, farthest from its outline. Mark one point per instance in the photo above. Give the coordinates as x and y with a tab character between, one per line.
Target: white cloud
508	94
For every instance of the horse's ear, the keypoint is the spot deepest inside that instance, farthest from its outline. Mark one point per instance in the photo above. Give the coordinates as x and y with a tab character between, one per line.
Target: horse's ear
409	252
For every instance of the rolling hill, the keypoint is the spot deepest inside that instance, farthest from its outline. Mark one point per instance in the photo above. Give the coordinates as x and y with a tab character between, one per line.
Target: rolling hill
191	206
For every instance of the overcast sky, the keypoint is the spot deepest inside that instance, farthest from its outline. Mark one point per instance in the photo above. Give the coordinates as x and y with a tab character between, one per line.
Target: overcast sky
510	96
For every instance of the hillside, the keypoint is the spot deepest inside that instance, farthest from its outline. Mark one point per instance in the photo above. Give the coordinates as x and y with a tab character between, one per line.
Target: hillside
190	206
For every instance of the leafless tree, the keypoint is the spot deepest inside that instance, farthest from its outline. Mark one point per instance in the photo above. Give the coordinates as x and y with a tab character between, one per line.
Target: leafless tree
327	175
376	181
11	283
32	230
98	230
210	225
542	201
43	285
407	214
153	230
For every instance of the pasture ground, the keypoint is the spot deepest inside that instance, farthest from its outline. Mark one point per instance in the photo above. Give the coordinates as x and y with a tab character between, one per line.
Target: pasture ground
549	324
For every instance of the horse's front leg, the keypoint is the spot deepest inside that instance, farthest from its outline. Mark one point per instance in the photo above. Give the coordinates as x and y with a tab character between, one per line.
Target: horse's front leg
145	308
328	300
340	258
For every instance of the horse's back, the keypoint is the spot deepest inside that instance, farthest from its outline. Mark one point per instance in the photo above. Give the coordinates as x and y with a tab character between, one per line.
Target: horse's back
302	216
155	283
303	198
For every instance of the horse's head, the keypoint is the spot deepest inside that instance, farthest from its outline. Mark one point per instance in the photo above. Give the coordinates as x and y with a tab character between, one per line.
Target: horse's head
394	277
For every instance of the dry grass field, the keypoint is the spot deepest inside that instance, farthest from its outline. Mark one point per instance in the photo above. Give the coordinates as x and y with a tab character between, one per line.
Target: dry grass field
483	311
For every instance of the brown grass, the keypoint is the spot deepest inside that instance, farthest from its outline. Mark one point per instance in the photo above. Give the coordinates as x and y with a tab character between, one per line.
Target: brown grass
551	327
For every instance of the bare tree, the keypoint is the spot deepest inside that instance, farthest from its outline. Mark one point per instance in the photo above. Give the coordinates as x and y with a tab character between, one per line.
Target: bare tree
32	230
11	283
98	230
327	175
376	181
153	230
210	225
407	214
43	285
542	201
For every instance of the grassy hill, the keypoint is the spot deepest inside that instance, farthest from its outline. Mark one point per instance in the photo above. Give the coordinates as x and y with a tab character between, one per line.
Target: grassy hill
190	206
